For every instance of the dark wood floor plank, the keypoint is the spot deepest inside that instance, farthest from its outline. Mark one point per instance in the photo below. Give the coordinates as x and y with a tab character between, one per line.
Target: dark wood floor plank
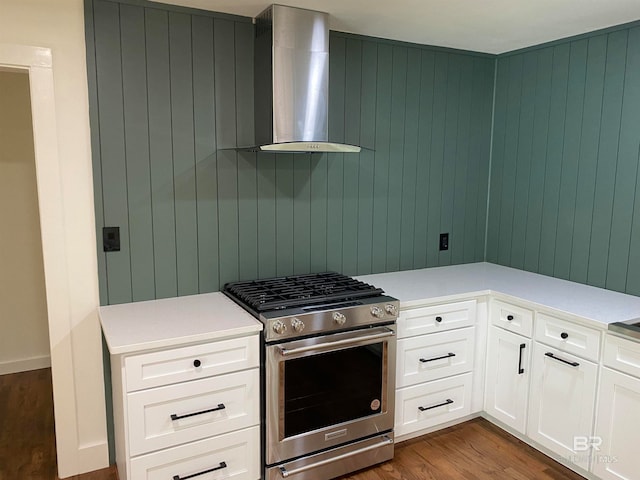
474	450
27	436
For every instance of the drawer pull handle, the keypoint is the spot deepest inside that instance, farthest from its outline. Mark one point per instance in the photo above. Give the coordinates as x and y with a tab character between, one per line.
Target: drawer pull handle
186	415
446	402
448	355
509	317
197	363
520	369
551	355
438	319
219	467
564	335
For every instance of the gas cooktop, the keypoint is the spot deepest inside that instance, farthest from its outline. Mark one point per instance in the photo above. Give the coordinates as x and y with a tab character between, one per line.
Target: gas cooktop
298	291
312	304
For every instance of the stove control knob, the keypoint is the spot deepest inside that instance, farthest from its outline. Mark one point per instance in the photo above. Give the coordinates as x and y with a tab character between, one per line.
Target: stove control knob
339	318
279	327
391	309
297	325
377	312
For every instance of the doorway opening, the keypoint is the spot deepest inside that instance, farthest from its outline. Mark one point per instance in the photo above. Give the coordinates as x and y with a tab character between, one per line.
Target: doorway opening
26	398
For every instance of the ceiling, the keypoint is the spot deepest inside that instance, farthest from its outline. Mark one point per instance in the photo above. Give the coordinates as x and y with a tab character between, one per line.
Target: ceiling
491	26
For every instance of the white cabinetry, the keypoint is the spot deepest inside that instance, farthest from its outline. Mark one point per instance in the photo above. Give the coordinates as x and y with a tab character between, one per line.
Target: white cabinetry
618	421
436	346
508	370
183	411
563	389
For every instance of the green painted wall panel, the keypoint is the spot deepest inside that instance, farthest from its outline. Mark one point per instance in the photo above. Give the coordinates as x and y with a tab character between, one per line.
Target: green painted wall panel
607	157
173	95
112	145
539	138
462	161
136	131
96	160
630	146
204	123
585	149
425	123
182	134
553	161
351	169
160	154
514	101
366	157
497	160
336	161
408	206
436	158
570	157
523	157
381	158
396	156
589	141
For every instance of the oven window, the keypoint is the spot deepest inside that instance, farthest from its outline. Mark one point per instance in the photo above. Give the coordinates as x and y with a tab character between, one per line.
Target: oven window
330	388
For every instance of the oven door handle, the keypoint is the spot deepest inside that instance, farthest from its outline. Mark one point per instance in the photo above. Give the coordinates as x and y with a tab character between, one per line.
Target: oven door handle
286	473
338	343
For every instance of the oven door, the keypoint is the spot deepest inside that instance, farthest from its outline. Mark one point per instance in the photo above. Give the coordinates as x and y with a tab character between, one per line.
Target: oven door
328	390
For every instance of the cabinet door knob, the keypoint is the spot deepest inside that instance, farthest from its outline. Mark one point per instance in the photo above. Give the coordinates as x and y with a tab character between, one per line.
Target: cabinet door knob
197	363
438	319
564	335
509	317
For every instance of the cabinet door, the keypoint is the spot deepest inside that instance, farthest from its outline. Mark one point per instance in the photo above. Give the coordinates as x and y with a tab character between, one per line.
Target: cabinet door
507	380
617	427
562	403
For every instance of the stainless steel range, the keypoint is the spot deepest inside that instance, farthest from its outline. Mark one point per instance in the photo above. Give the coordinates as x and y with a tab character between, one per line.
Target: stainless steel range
329	350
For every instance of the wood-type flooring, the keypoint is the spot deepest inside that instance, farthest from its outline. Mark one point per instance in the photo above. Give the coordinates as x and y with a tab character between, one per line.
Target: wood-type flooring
474	450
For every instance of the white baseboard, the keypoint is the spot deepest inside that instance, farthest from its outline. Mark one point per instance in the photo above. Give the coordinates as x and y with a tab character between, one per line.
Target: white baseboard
25	364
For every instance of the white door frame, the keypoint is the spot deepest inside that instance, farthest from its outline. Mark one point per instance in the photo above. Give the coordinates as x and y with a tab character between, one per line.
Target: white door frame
38	63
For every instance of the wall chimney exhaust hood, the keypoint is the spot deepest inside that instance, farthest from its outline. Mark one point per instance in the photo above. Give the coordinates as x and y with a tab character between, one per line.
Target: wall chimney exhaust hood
291	82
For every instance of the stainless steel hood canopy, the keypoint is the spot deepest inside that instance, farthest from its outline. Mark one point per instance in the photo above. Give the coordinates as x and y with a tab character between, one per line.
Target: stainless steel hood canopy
291	81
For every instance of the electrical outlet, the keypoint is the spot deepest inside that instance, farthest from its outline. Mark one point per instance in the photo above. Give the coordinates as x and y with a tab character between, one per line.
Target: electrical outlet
111	239
444	241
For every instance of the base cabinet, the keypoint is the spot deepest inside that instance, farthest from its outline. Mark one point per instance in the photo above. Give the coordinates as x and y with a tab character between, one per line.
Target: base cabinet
507	378
189	411
617	427
562	403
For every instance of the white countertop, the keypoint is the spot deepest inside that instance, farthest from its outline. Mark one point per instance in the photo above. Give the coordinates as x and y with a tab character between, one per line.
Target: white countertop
138	326
459	281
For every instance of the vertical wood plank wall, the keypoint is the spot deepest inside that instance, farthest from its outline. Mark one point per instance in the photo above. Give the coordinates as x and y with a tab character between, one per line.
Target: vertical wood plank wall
566	148
171	94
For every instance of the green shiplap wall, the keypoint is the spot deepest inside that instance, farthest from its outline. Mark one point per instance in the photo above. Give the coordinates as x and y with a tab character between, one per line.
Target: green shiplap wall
566	148
171	93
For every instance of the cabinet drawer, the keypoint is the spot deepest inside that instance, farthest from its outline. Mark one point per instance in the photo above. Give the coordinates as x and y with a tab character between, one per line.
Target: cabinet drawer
190	363
513	318
568	336
437	318
236	455
175	414
622	354
430	357
429	404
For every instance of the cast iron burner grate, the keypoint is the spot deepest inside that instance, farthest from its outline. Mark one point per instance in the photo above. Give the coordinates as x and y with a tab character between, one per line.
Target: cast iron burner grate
299	291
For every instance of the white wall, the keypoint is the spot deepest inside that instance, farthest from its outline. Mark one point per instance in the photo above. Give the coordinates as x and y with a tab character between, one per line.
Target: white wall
24	329
78	382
